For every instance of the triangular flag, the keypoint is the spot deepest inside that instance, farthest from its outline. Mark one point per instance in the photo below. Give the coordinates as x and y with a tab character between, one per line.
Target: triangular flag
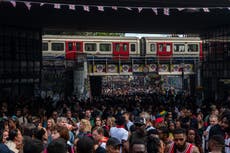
155	10
57	6
100	8
228	8
206	10
72	7
114	7
41	4
180	9
28	5
13	3
166	11
129	8
140	9
86	8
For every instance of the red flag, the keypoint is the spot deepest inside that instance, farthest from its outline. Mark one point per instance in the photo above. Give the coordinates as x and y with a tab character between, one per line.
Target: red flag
13	3
100	8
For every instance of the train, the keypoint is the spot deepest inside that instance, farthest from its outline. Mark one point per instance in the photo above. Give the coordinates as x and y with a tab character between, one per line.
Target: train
120	47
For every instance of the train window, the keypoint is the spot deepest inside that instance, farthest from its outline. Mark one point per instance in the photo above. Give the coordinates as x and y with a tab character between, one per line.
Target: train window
133	47
179	48
92	47
105	47
117	47
57	46
44	46
78	46
70	45
160	47
168	48
193	48
152	48
125	47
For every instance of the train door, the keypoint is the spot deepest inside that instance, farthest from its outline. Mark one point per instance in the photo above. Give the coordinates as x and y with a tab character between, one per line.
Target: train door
121	49
73	48
164	49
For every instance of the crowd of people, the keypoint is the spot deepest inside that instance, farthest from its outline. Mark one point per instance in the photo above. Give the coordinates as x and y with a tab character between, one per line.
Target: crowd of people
123	123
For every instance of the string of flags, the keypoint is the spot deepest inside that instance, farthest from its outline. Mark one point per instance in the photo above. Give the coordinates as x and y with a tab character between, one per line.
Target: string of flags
166	11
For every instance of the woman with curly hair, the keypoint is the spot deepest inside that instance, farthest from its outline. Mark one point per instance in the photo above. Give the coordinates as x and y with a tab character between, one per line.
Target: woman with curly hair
194	138
155	145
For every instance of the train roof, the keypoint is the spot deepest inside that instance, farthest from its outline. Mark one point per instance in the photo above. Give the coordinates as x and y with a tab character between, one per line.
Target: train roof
173	38
87	37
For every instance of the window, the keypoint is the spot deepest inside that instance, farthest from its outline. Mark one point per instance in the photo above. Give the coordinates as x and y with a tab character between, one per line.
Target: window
91	47
133	47
125	47
179	48
57	46
152	48
117	47
44	46
105	47
193	48
78	46
70	46
160	47
168	48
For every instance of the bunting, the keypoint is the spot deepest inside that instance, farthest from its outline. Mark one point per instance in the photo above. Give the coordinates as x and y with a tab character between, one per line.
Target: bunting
114	8
166	11
140	9
28	5
72	7
129	8
13	3
180	9
57	6
206	10
100	8
86	8
155	11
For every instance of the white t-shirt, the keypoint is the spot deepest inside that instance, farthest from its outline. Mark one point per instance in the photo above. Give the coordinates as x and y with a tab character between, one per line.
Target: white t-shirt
119	133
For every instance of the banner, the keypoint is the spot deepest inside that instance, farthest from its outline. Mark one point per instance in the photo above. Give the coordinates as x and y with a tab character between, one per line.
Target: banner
99	68
125	68
175	68
137	68
112	68
188	68
152	67
163	68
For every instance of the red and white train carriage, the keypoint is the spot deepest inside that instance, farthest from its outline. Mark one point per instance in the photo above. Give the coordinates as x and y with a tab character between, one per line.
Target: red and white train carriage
69	47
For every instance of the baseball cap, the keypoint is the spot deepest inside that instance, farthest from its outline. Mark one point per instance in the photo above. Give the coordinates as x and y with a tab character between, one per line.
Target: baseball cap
113	142
139	121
